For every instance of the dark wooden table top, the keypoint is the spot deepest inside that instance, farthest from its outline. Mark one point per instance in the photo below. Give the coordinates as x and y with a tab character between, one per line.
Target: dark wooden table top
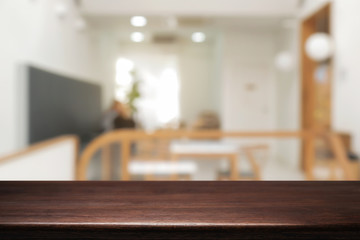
180	210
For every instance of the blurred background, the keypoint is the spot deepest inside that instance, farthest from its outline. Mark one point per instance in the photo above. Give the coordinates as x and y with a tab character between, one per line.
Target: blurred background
179	90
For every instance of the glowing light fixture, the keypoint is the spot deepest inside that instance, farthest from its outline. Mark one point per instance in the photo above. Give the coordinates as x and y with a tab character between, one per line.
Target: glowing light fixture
198	37
319	47
137	37
138	21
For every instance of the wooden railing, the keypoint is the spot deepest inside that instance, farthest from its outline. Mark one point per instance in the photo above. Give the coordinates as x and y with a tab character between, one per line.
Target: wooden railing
126	137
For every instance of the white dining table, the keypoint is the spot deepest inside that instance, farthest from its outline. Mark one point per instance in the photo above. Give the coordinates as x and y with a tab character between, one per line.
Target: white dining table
209	149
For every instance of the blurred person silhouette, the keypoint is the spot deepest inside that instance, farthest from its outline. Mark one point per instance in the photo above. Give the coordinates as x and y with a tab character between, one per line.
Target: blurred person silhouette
118	116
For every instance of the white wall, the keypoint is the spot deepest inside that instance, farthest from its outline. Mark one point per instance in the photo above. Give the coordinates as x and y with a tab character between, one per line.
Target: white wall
247	61
52	163
248	83
198	80
30	32
288	100
346	84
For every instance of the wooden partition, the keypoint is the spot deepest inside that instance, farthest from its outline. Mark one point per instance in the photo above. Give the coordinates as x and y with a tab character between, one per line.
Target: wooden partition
316	97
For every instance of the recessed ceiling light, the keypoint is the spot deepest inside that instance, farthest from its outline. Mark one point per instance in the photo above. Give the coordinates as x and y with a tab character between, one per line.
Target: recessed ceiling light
138	21
198	37
137	37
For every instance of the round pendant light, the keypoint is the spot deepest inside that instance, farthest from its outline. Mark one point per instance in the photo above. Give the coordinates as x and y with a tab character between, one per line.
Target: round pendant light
319	47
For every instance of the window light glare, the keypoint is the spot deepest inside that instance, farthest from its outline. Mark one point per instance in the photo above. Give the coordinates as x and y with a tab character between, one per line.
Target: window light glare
138	21
124	65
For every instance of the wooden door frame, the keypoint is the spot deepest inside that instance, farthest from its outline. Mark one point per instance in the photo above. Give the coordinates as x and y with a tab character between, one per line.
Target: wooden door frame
308	66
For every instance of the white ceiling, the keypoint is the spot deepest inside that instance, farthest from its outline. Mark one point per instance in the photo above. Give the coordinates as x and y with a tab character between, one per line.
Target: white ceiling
158	25
162	22
209	16
235	8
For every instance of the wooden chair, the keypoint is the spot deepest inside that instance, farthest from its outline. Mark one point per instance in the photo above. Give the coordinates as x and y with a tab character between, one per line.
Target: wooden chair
144	157
250	153
337	165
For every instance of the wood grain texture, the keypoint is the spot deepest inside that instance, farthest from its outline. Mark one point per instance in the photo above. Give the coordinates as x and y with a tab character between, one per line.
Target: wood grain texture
180	210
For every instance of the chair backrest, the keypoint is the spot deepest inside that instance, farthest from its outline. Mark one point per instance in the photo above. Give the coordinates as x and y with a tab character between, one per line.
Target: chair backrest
153	146
133	144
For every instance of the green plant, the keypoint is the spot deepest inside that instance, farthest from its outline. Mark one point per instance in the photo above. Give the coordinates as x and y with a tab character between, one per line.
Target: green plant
133	94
